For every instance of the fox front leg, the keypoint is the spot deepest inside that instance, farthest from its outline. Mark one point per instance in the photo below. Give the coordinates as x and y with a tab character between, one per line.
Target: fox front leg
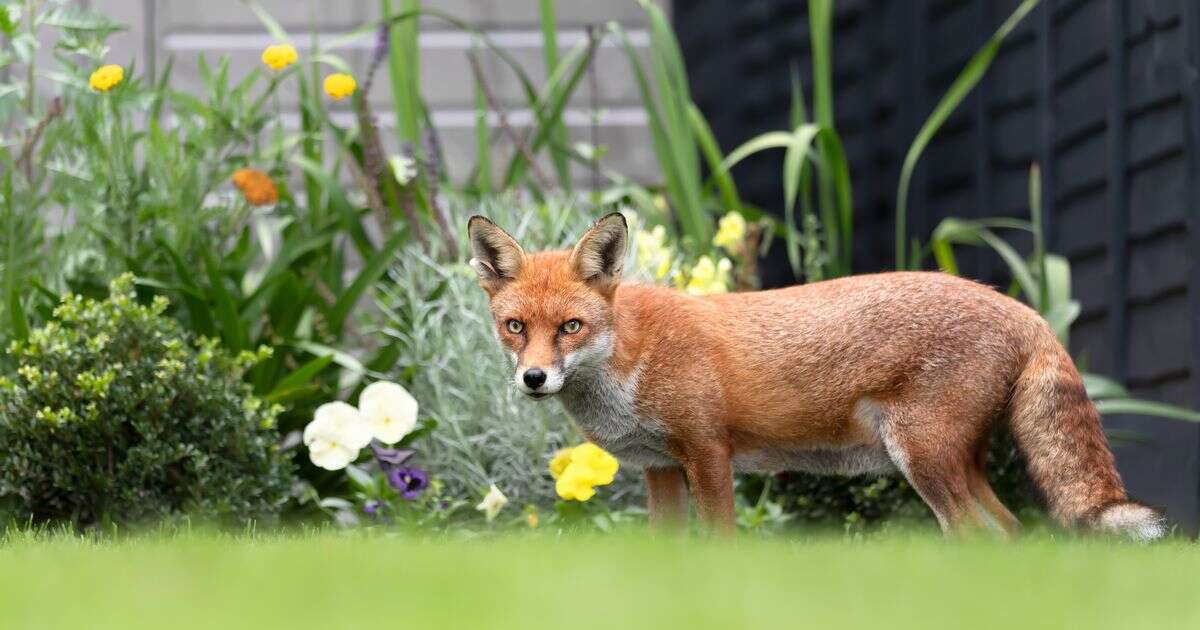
709	469
666	489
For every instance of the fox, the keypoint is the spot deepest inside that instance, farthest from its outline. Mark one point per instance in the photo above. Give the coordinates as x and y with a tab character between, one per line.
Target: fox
903	373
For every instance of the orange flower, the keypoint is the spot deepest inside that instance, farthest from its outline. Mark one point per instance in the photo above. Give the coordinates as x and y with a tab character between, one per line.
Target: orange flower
256	186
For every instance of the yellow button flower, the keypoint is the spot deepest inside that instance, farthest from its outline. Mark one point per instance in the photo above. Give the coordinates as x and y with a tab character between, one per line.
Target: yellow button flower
338	85
731	230
279	56
107	77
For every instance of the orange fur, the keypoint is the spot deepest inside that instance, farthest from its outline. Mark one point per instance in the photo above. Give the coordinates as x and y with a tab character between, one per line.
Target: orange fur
897	371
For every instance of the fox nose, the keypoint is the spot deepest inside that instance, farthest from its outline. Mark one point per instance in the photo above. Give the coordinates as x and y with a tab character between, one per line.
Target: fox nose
534	378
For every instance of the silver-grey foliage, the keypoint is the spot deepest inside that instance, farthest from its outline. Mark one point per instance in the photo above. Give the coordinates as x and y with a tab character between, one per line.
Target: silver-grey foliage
449	357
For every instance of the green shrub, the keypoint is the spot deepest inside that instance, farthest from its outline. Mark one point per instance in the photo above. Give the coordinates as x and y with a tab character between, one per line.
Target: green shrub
115	416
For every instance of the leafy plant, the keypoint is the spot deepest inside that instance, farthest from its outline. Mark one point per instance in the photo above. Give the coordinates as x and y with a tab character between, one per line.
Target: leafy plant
116	415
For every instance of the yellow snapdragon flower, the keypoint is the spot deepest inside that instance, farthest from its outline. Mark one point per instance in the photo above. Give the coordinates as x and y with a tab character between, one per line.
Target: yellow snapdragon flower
708	277
653	253
339	85
107	77
279	56
731	231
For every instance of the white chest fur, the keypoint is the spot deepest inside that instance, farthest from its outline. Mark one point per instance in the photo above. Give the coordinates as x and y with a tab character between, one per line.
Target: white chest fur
602	404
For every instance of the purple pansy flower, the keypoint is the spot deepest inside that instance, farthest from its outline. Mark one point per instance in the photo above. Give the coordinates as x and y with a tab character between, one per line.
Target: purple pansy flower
371	507
393	456
410	481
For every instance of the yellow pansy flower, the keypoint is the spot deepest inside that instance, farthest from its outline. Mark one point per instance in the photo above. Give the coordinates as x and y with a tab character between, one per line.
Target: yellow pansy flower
279	56
560	461
339	85
107	77
575	484
579	470
731	230
600	466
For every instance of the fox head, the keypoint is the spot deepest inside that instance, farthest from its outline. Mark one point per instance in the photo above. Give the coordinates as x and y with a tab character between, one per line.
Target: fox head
553	311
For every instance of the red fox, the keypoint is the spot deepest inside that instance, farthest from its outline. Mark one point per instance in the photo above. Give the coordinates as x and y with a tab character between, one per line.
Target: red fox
903	372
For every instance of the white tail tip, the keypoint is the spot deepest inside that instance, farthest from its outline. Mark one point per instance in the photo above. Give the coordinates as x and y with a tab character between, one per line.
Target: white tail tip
1133	521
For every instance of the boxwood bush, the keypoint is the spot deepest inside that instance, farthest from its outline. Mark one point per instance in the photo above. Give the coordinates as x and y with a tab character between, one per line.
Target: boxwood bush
115	415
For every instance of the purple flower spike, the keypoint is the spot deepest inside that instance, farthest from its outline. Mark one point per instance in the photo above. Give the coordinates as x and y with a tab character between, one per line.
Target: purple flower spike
393	456
409	481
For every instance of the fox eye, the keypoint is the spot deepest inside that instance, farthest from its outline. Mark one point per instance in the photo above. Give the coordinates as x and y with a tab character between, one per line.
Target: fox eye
572	326
515	327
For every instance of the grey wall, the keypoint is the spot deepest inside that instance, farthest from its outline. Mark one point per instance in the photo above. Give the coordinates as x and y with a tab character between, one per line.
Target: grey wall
184	29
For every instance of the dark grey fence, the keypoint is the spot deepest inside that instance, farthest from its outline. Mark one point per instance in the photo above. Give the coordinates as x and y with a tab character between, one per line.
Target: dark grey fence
1104	94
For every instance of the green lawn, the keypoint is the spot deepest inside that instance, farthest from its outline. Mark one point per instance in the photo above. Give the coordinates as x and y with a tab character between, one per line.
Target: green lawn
332	581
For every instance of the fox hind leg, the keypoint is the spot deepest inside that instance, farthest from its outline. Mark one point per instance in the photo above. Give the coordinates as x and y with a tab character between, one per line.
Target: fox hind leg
986	497
942	468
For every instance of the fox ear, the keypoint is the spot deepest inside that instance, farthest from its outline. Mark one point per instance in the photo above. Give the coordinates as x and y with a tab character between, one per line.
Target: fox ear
600	255
497	256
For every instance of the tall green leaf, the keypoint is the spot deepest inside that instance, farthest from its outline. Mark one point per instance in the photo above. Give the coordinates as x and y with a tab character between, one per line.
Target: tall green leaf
967	79
558	130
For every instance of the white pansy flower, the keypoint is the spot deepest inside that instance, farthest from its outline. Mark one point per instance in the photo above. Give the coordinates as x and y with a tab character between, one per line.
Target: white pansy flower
335	436
492	503
390	411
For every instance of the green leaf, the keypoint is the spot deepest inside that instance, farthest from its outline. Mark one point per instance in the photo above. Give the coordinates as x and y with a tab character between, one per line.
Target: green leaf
966	81
665	105
558	131
226	307
366	278
1099	387
270	23
18	323
762	142
559	88
363	480
711	151
343	359
1133	406
299	379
